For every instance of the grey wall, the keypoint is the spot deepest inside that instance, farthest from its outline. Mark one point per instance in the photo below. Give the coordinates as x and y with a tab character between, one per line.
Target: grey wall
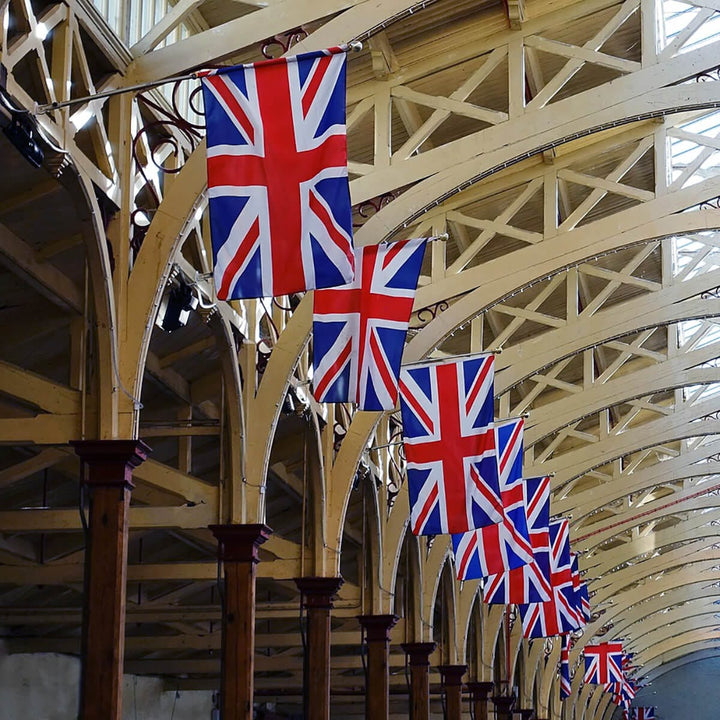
687	691
45	687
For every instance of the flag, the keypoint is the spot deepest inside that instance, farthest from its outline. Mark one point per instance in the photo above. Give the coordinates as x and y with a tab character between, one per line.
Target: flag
622	692
565	667
557	615
359	329
280	215
585	603
627	663
529	583
643	713
506	545
577	592
447	414
603	663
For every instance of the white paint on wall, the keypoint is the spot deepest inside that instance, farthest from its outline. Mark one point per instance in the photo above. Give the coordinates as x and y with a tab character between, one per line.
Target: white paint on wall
45	687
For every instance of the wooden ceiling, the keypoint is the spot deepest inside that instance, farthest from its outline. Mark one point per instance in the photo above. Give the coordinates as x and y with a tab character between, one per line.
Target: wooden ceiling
591	347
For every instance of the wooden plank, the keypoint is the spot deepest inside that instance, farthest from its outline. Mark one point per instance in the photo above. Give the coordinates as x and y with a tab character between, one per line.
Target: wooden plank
19	471
141	518
59	574
22	260
46	394
42	429
162	476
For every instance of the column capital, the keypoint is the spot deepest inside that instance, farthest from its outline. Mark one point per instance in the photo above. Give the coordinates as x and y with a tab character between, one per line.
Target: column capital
318	592
377	627
419	653
480	690
240	542
504	702
110	462
452	674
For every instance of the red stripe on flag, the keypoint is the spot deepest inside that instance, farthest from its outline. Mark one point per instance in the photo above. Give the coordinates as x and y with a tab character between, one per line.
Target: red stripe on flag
234	265
332	371
426	510
319	70
234	108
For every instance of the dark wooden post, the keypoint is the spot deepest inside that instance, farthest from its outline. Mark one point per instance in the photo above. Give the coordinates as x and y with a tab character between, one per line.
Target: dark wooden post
452	687
317	599
419	661
238	551
479	692
503	706
108	479
377	688
526	713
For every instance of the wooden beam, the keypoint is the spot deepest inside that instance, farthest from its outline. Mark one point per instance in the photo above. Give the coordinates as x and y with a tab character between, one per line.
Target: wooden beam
19	471
172	18
65	574
187	351
158	643
37	191
160	613
44	429
141	518
22	260
167	478
37	390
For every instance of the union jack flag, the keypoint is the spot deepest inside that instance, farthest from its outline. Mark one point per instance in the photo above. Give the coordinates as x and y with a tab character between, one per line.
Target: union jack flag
585	603
642	713
280	214
577	590
565	687
603	663
359	329
447	414
529	583
622	692
557	615
627	663
505	545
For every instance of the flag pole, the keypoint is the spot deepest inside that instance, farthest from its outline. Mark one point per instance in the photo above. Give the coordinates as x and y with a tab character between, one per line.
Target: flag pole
507	650
355	46
453	358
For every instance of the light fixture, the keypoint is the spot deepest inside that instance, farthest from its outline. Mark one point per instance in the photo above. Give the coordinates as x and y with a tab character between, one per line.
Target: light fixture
176	306
21	131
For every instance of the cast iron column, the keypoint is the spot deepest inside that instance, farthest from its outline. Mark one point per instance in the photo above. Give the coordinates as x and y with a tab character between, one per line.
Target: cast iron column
479	692
452	687
419	661
108	479
317	599
377	689
238	551
504	706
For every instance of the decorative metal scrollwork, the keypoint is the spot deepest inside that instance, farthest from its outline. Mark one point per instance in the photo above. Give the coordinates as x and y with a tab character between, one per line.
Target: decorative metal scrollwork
712	75
712	294
277	45
548	648
365	210
711	204
168	131
426	314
